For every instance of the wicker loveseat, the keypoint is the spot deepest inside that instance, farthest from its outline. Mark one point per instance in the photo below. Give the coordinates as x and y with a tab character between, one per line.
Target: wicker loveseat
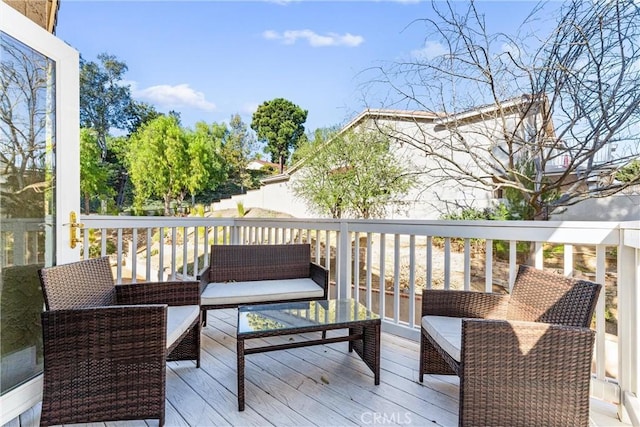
256	274
106	346
523	359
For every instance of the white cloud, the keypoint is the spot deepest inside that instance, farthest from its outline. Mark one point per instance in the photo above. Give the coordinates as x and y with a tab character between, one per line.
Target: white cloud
314	39
430	50
249	107
174	96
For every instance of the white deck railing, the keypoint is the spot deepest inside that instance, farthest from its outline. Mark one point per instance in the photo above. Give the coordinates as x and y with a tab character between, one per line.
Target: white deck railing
402	256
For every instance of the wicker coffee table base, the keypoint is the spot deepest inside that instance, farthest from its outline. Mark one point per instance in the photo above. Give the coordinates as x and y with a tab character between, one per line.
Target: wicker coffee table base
364	338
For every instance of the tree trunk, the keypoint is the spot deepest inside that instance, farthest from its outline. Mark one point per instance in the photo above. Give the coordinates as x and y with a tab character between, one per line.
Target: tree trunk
122	184
167	205
87	205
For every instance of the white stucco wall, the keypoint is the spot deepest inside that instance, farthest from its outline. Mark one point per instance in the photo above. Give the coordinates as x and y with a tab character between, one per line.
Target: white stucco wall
275	197
614	208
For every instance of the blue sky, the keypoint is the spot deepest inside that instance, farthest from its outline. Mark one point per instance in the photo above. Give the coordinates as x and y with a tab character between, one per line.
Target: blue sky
211	59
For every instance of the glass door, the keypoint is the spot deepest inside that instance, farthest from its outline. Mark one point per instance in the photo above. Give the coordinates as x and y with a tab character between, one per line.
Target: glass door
39	187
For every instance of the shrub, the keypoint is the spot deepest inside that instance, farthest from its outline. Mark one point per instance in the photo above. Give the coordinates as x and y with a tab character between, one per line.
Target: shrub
241	211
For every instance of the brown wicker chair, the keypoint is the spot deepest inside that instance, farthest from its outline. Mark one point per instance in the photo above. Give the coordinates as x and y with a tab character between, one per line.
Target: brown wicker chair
523	359
106	346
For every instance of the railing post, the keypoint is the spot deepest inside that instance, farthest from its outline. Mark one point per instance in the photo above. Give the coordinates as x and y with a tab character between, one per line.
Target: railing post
629	321
235	234
343	253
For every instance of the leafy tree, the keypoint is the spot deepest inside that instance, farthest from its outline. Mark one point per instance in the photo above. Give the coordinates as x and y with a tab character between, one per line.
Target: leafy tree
117	149
159	161
104	99
207	168
94	173
238	145
167	161
139	113
581	97
630	172
352	174
311	140
279	123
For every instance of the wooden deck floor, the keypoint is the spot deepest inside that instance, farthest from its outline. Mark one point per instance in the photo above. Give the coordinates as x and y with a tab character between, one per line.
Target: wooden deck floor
323	385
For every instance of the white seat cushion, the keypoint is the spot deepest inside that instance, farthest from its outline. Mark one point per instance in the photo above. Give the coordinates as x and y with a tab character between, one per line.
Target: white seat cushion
446	331
179	318
259	291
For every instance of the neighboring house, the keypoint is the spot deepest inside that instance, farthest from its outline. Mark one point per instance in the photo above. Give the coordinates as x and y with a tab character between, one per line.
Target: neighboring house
257	164
481	129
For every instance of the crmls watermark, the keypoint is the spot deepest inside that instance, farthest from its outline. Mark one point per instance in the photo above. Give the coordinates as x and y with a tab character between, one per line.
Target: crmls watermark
383	418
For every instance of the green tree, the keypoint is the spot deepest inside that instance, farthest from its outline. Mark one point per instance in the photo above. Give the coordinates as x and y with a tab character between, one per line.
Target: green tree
159	161
167	161
139	113
207	167
94	173
117	149
352	174
104	99
630	173
238	145
279	123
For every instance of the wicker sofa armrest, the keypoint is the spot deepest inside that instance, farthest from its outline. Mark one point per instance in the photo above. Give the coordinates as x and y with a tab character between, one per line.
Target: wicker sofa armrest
437	302
170	293
548	364
82	348
320	275
203	277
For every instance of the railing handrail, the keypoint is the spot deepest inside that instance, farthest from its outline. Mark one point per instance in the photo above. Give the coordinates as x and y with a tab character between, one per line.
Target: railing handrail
571	232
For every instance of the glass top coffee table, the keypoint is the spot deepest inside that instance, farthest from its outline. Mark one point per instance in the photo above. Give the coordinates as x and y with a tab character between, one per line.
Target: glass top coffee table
272	320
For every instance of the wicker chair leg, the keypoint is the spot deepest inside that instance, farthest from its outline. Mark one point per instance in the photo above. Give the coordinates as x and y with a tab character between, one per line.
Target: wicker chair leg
203	317
431	362
422	355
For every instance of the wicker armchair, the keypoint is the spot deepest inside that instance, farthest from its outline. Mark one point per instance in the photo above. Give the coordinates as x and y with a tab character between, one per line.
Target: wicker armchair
523	359
106	346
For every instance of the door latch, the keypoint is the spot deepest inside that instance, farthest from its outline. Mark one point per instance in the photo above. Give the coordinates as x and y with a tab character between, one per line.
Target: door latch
73	226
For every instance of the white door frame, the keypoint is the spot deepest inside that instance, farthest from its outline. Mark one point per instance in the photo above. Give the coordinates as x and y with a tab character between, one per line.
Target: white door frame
67	162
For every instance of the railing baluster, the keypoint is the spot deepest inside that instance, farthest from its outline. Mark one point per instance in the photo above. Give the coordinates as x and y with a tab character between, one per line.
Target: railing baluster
356	266
429	263
600	313
396	278
488	275
513	260
196	242
412	280
539	255
174	235
103	242
447	262
185	251
134	255
467	264
149	256
161	255
568	260
369	266
119	257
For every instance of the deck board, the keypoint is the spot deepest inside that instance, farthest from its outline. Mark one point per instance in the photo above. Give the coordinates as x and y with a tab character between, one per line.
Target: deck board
318	385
